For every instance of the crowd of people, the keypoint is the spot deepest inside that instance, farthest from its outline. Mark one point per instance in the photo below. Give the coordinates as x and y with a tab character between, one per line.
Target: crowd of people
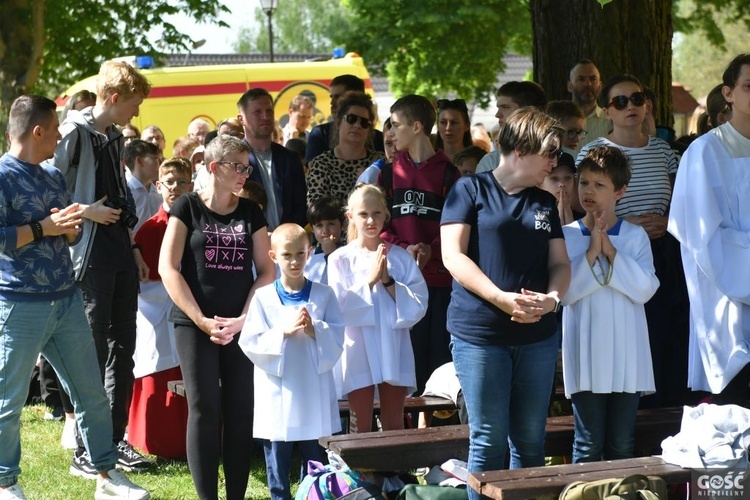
277	270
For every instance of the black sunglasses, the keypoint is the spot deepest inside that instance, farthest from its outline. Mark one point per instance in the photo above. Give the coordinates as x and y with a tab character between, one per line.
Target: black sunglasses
620	102
458	104
351	119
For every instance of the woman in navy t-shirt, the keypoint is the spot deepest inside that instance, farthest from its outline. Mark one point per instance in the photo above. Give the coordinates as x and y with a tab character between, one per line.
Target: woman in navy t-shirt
213	239
502	242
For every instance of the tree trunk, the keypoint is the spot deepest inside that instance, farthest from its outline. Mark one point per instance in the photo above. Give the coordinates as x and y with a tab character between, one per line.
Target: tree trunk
624	36
22	39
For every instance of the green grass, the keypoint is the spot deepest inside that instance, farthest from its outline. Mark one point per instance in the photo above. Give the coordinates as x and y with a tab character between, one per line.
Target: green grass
44	465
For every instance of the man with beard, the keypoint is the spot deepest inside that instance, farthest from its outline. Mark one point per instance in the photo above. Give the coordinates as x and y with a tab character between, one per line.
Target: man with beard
584	85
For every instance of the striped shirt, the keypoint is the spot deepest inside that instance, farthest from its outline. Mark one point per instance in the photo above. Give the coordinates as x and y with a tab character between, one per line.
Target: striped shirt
649	190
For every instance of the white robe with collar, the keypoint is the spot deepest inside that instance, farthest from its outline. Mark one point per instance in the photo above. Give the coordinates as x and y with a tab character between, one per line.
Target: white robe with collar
605	344
295	395
378	345
155	349
710	217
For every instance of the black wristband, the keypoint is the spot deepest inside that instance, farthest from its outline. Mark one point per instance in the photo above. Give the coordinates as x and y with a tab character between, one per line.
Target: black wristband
390	282
135	246
36	230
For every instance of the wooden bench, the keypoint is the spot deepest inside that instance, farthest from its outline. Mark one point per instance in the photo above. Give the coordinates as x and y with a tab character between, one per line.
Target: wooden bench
413	448
534	482
415	404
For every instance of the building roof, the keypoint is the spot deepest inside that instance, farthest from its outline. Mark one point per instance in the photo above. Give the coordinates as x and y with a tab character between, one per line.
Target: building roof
682	100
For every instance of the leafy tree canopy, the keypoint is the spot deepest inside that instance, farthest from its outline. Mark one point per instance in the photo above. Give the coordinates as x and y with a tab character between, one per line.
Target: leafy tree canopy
45	46
299	26
438	47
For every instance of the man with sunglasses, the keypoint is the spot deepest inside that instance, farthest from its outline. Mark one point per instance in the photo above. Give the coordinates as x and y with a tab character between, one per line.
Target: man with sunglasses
585	85
320	138
276	168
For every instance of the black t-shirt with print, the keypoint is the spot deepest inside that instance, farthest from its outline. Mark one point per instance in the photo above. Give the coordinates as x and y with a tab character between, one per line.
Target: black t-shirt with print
217	262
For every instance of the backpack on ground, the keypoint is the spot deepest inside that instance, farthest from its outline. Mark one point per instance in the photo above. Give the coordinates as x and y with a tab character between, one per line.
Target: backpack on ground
635	487
327	482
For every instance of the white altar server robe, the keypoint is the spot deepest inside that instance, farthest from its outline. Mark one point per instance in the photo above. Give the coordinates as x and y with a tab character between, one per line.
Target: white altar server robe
295	395
377	347
605	336
710	217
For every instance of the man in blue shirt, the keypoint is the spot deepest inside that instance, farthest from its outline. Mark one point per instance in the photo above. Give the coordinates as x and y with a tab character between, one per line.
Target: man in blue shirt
41	309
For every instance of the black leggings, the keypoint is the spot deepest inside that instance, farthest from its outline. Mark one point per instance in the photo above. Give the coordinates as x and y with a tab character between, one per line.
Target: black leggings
205	364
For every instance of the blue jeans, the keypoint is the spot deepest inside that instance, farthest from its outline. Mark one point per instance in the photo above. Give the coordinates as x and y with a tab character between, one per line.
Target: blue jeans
279	464
604	425
59	330
507	392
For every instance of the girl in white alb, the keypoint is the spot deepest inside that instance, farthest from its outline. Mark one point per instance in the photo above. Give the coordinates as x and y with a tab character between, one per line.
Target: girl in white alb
382	294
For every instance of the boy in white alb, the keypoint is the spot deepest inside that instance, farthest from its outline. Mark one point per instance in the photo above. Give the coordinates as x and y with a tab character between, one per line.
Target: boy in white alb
294	334
606	353
326	216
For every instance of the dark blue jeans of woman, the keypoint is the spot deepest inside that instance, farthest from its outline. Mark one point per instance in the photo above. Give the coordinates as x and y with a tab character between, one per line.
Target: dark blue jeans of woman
604	425
507	391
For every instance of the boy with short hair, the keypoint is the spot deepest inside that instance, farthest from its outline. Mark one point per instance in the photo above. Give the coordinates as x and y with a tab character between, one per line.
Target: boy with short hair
326	216
512	96
416	184
468	158
571	118
294	334
142	159
158	420
106	261
606	352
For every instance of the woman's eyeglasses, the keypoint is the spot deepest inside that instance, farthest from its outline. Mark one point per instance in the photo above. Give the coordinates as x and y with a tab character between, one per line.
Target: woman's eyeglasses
574	133
458	104
351	119
620	102
238	167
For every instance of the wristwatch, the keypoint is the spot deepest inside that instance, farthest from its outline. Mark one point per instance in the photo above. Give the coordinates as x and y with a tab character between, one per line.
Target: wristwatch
557	307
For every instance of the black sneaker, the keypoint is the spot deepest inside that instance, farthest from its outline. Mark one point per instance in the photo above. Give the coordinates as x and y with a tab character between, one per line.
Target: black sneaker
130	460
82	466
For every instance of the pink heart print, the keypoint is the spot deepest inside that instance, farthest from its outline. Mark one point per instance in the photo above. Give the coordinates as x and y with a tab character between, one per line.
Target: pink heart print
210	254
227	240
239	228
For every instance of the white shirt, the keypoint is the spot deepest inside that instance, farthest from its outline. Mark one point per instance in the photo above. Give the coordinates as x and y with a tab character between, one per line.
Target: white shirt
147	201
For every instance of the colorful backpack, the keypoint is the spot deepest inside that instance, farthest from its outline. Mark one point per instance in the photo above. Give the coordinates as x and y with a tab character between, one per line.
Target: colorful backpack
327	482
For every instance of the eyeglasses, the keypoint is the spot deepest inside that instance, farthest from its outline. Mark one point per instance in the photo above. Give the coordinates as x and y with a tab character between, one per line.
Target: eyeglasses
458	104
238	167
171	184
573	133
351	119
620	102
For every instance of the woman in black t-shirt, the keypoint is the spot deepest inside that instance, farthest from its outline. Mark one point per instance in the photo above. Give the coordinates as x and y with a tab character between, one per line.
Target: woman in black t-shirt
502	242
212	241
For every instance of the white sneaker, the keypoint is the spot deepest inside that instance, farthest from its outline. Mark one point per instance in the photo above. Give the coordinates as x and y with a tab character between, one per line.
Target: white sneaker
118	486
12	493
68	438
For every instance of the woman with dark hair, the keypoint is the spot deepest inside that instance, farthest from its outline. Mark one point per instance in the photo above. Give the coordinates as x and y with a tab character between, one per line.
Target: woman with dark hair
709	217
454	126
502	242
646	204
335	172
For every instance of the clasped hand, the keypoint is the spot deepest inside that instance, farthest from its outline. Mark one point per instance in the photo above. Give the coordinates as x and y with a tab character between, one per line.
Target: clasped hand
222	330
301	323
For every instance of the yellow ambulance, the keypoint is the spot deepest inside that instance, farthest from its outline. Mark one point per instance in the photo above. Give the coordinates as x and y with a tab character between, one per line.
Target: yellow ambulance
180	94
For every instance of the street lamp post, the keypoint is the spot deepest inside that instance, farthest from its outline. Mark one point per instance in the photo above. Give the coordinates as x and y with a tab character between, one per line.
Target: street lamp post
269	7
